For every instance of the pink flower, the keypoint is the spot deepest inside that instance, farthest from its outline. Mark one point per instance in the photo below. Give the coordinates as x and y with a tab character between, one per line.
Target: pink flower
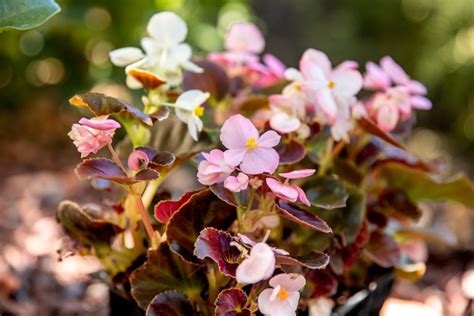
267	74
290	192
254	153
90	135
244	38
213	169
237	184
287	113
399	95
283	299
329	88
137	160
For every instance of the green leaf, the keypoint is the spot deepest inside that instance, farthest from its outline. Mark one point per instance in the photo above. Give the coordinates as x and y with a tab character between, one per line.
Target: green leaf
25	14
327	193
418	185
346	221
164	271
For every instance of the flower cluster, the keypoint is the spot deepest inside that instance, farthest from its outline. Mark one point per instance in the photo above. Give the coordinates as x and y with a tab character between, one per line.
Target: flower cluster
314	170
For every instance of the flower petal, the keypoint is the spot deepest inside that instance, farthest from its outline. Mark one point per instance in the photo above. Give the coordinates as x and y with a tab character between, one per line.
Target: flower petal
394	70
289	281
419	102
346	82
319	58
236	130
234	157
125	56
284	123
298	174
387	117
260	160
245	38
284	191
167	28
258	266
302	196
269	139
375	77
325	102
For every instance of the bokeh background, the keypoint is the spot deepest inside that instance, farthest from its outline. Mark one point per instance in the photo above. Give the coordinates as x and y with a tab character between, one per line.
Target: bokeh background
41	68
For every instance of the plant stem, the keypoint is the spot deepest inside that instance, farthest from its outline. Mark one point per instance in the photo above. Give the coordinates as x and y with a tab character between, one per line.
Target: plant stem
326	160
211	279
151	189
115	157
143	213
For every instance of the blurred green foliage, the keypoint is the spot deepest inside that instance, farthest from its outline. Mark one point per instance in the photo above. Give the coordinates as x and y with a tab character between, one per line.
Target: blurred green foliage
432	39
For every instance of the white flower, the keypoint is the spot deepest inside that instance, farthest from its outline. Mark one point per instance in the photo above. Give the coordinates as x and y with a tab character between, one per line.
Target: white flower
283	299
165	53
259	265
189	110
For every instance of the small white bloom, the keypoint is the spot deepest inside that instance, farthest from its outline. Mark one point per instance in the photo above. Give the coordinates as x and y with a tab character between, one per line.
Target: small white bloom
258	266
165	53
283	299
189	110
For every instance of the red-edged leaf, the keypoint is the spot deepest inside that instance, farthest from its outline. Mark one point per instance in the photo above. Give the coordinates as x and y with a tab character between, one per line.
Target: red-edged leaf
109	170
235	199
202	210
301	216
397	204
161	114
383	250
322	283
215	244
170	303
290	151
101	104
313	260
232	302
370	127
166	208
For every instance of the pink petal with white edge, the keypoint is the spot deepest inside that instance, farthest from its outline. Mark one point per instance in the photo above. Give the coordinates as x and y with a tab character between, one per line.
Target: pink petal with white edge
376	78
347	82
284	123
236	130
297	174
284	191
319	58
387	117
325	102
313	74
269	139
421	103
234	157
244	37
100	124
394	70
288	281
260	160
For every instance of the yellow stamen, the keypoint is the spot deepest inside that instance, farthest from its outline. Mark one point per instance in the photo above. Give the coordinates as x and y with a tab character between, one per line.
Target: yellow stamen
199	111
331	84
298	87
251	143
283	294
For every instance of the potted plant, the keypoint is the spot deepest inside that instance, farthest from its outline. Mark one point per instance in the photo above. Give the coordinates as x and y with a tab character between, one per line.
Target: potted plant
307	193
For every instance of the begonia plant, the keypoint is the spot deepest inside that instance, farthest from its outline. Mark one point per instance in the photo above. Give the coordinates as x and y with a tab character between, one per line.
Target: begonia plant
303	190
